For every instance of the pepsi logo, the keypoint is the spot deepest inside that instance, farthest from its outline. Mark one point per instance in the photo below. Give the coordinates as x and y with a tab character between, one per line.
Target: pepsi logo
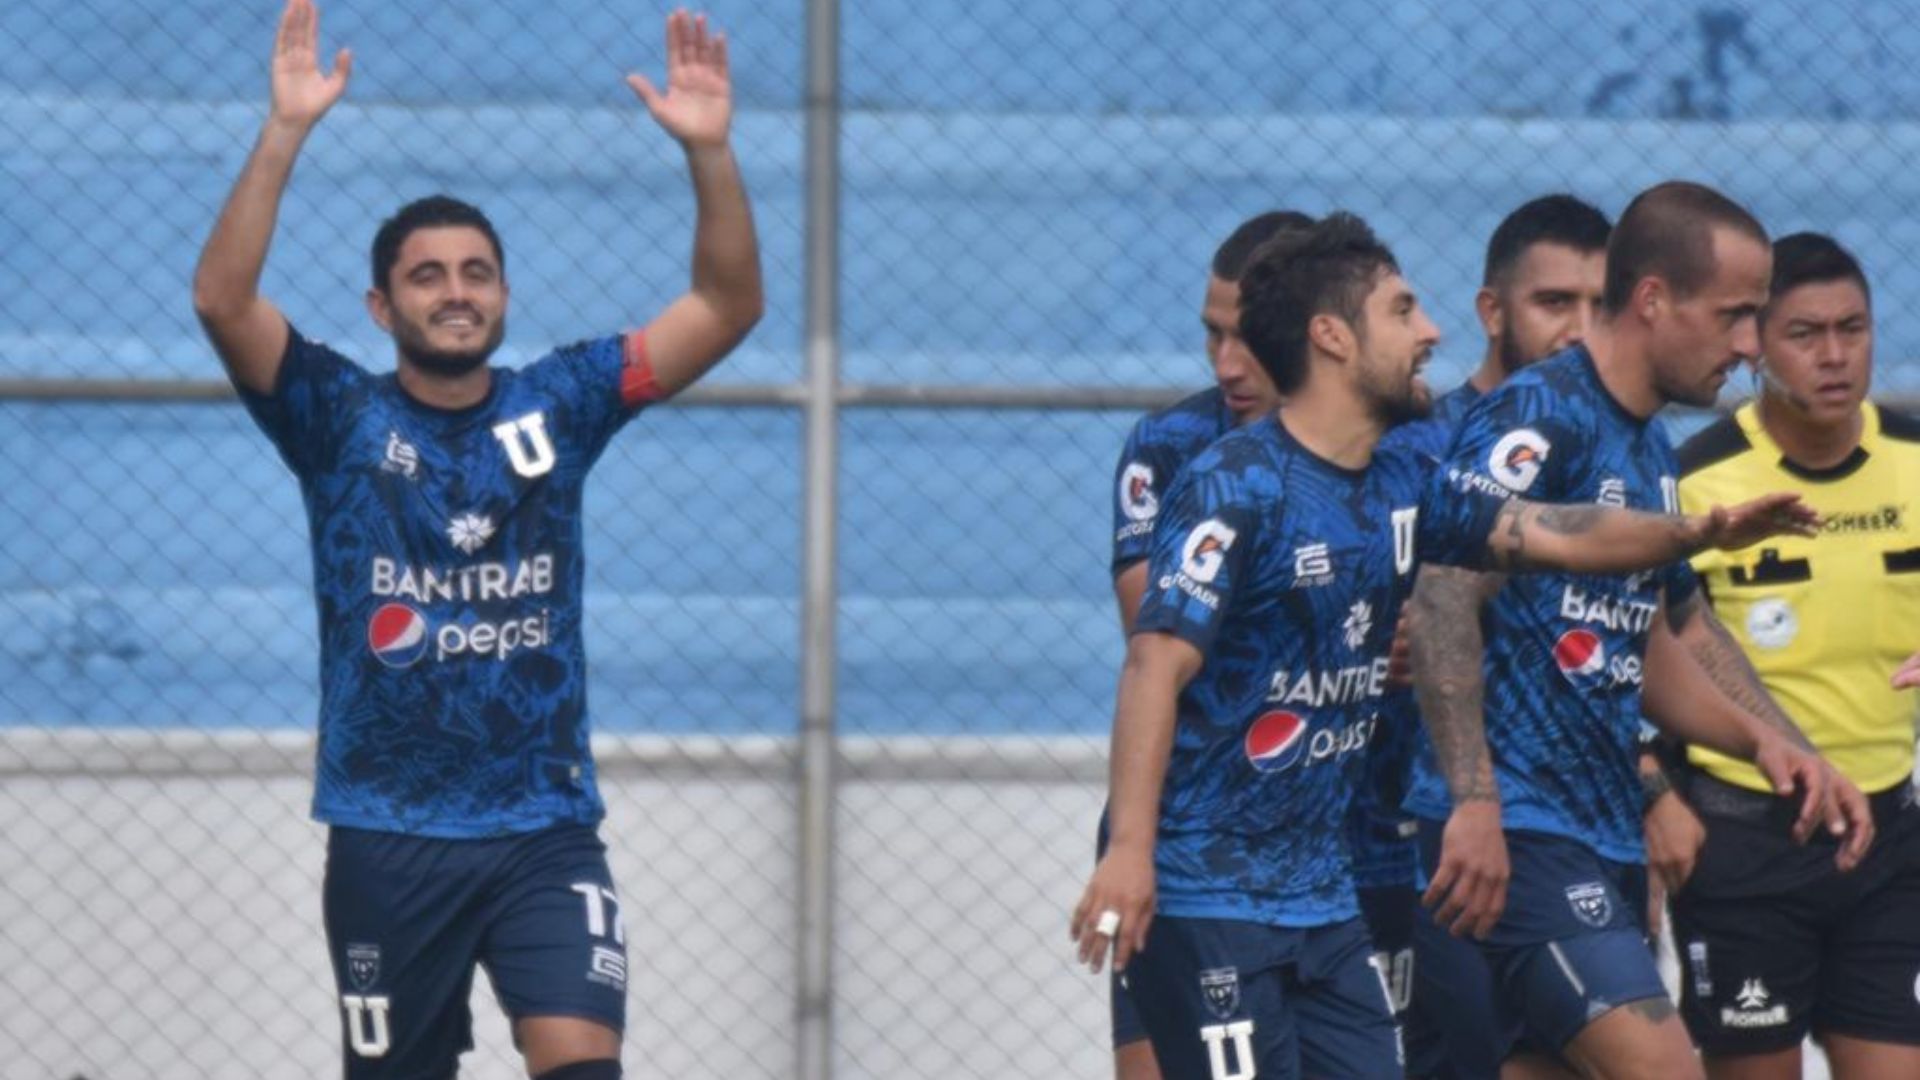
1275	741
397	634
1578	652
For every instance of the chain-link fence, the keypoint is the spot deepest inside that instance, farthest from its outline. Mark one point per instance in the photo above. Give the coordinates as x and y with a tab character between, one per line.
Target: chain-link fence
1027	197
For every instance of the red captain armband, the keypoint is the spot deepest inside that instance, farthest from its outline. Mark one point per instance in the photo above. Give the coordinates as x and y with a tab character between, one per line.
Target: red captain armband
637	385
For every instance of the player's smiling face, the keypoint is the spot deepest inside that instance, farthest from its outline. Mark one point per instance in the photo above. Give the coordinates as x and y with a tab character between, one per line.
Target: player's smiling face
1699	340
1249	391
1817	345
1395	339
446	298
1550	300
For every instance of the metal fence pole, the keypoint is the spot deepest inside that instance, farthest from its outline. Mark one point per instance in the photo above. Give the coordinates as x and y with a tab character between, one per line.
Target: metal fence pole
813	996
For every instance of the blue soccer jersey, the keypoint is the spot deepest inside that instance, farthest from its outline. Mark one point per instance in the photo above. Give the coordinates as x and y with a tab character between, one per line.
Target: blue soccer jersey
1385	848
1433	433
1159	446
447	566
1287	573
1563	651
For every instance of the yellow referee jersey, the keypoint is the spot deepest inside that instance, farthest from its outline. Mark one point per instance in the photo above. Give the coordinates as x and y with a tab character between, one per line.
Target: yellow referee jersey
1825	619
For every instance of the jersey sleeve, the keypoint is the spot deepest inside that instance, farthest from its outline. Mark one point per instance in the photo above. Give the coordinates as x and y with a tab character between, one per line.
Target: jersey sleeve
1140	482
1203	554
1682	581
600	383
301	415
1513	444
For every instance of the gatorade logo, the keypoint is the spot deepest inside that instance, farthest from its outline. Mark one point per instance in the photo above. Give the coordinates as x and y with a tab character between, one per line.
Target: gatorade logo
1517	458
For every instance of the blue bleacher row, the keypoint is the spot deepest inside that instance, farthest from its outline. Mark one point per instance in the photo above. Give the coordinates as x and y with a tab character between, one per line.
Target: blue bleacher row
1030	194
1692	59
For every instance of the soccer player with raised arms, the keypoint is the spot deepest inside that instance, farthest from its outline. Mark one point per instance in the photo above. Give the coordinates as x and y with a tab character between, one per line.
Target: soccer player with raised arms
454	767
1532	812
1256	667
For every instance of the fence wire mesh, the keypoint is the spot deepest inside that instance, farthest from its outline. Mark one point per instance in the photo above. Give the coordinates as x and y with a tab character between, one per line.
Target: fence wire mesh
1030	194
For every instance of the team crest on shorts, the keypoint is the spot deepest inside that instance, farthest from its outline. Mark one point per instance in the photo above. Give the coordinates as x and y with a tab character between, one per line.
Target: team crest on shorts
363	965
1221	988
1590	903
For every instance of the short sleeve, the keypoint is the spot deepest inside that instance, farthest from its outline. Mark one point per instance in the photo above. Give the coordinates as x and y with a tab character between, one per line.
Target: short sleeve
1681	583
301	415
1203	554
594	383
1140	482
1512	444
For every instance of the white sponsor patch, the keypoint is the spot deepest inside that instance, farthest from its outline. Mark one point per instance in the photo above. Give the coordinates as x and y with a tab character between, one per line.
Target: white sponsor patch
1771	624
1517	458
1753	1010
1206	549
1590	903
1137	499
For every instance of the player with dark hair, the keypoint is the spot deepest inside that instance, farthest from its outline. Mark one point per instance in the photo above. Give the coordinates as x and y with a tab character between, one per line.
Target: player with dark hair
454	768
1541	293
1257	664
1775	942
1531	814
1159	446
1162	442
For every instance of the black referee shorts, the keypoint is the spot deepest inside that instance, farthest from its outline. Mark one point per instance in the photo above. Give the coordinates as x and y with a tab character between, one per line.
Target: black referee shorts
1775	942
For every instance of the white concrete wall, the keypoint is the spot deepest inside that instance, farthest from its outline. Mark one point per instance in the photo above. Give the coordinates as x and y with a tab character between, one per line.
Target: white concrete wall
160	911
162	924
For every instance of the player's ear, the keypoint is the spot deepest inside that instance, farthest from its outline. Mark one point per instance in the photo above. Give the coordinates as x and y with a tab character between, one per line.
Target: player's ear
1650	295
1331	334
381	309
1486	305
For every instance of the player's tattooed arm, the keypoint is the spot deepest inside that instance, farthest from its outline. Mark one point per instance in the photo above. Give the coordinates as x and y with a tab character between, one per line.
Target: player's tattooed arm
1725	663
1469	886
1587	539
1728	709
1447	649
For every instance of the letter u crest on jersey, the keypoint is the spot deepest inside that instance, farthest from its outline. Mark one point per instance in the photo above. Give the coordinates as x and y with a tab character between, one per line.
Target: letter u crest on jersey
525	440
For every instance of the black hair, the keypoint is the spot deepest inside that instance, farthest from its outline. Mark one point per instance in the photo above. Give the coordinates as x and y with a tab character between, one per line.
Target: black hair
1231	257
1808	258
1549	219
431	212
1667	232
1327	268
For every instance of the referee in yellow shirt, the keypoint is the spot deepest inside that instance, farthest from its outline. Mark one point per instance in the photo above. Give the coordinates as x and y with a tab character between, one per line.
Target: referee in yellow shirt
1776	943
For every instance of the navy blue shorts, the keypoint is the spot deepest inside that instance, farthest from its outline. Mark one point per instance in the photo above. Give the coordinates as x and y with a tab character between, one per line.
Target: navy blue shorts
1224	999
1127	1028
1388	911
408	917
1570	946
1453	1027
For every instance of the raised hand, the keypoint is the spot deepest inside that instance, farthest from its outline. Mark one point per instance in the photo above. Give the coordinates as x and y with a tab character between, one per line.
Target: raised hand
698	104
301	93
